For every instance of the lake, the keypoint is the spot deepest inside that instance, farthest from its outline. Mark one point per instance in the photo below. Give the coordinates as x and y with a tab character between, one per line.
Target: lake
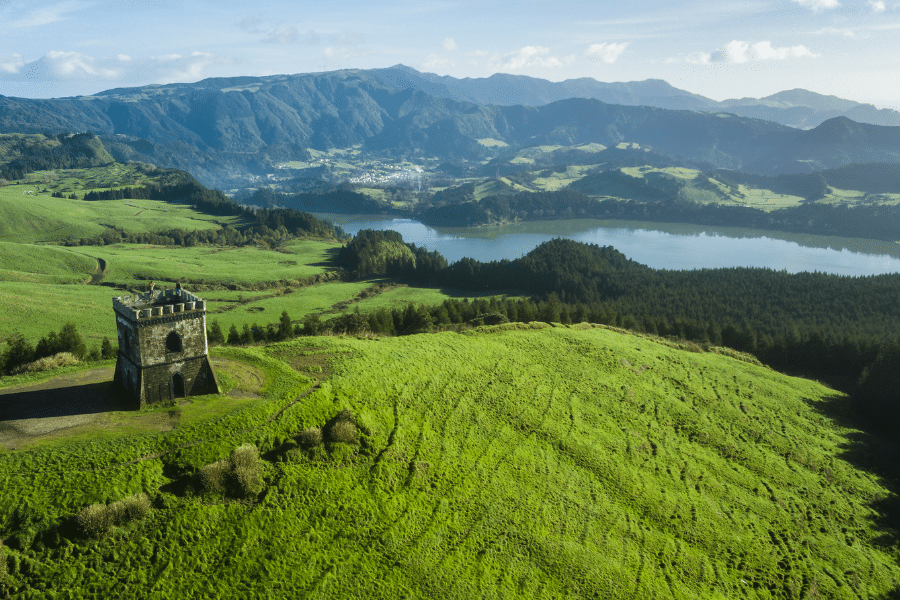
671	246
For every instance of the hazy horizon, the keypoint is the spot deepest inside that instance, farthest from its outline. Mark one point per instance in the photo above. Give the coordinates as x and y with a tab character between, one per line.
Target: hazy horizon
719	50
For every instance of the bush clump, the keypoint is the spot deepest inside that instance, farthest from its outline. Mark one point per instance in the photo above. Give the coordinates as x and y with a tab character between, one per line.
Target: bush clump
344	432
62	359
342	429
93	520
311	437
214	477
245	461
97	519
238	475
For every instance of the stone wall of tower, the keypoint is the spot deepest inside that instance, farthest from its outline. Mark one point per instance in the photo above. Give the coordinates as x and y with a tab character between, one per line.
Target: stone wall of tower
152	370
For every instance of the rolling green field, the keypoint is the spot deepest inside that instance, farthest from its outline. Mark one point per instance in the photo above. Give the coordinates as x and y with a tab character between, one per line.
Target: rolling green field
138	264
38	217
517	461
263	283
35	310
29	263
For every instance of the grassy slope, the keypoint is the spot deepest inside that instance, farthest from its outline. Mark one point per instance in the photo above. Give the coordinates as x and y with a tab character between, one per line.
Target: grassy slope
539	464
43	264
41	218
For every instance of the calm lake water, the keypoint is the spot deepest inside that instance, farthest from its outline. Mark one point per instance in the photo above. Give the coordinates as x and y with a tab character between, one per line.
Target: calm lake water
658	245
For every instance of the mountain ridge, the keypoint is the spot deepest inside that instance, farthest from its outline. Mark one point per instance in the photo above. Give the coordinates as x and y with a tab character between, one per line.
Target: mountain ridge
226	130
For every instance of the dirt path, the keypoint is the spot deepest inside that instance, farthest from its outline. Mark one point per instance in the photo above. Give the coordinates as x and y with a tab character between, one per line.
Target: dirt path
99	274
71	400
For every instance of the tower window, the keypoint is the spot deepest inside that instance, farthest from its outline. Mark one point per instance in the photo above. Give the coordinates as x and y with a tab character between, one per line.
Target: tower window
173	342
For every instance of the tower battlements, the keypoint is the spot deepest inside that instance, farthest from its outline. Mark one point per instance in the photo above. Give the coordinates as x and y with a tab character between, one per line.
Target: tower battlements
157	304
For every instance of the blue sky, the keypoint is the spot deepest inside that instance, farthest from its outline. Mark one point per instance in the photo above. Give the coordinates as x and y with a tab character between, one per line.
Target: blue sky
726	49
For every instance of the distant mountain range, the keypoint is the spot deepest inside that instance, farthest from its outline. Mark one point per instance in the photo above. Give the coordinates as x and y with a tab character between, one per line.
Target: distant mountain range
223	129
795	108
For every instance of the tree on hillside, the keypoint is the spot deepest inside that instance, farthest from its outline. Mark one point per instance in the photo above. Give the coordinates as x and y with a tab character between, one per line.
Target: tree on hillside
106	349
285	329
18	352
216	337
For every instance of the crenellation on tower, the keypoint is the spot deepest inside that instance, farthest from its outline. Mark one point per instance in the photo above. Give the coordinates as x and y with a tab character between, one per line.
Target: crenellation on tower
162	346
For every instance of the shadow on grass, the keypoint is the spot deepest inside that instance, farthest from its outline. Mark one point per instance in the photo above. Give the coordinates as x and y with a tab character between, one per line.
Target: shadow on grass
41	402
873	447
331	261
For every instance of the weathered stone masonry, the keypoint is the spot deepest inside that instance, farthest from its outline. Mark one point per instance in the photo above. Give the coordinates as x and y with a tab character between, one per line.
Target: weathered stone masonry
162	346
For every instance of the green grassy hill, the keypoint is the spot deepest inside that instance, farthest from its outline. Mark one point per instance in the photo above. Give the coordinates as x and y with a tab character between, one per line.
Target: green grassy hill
521	461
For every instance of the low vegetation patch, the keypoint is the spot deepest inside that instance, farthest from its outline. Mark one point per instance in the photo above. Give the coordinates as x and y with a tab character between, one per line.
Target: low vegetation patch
98	519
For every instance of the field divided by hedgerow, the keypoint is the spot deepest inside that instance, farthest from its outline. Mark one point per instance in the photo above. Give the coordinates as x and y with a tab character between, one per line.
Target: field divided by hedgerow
515	461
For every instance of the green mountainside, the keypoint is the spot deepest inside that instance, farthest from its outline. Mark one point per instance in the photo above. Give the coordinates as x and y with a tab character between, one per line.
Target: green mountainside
513	461
232	130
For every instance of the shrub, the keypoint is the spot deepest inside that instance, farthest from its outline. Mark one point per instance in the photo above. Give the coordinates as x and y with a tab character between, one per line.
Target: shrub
310	437
93	520
343	432
61	359
97	519
214	477
115	514
245	461
137	507
2	562
342	429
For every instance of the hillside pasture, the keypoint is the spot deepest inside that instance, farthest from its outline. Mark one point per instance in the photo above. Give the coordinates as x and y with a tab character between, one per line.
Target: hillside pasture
135	265
35	310
29	263
29	215
518	461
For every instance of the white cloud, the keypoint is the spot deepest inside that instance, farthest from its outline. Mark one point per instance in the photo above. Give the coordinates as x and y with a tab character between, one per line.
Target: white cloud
529	56
74	65
843	31
58	66
193	67
50	14
607	52
877	6
12	64
737	51
450	44
694	58
817	5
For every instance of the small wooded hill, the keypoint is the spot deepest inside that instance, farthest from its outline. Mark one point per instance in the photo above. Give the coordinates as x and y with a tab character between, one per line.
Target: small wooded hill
504	462
23	154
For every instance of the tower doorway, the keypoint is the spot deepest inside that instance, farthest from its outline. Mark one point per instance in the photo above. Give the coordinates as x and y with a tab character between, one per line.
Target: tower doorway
178	385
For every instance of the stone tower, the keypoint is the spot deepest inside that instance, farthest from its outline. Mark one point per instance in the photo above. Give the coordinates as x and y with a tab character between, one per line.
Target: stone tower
162	346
